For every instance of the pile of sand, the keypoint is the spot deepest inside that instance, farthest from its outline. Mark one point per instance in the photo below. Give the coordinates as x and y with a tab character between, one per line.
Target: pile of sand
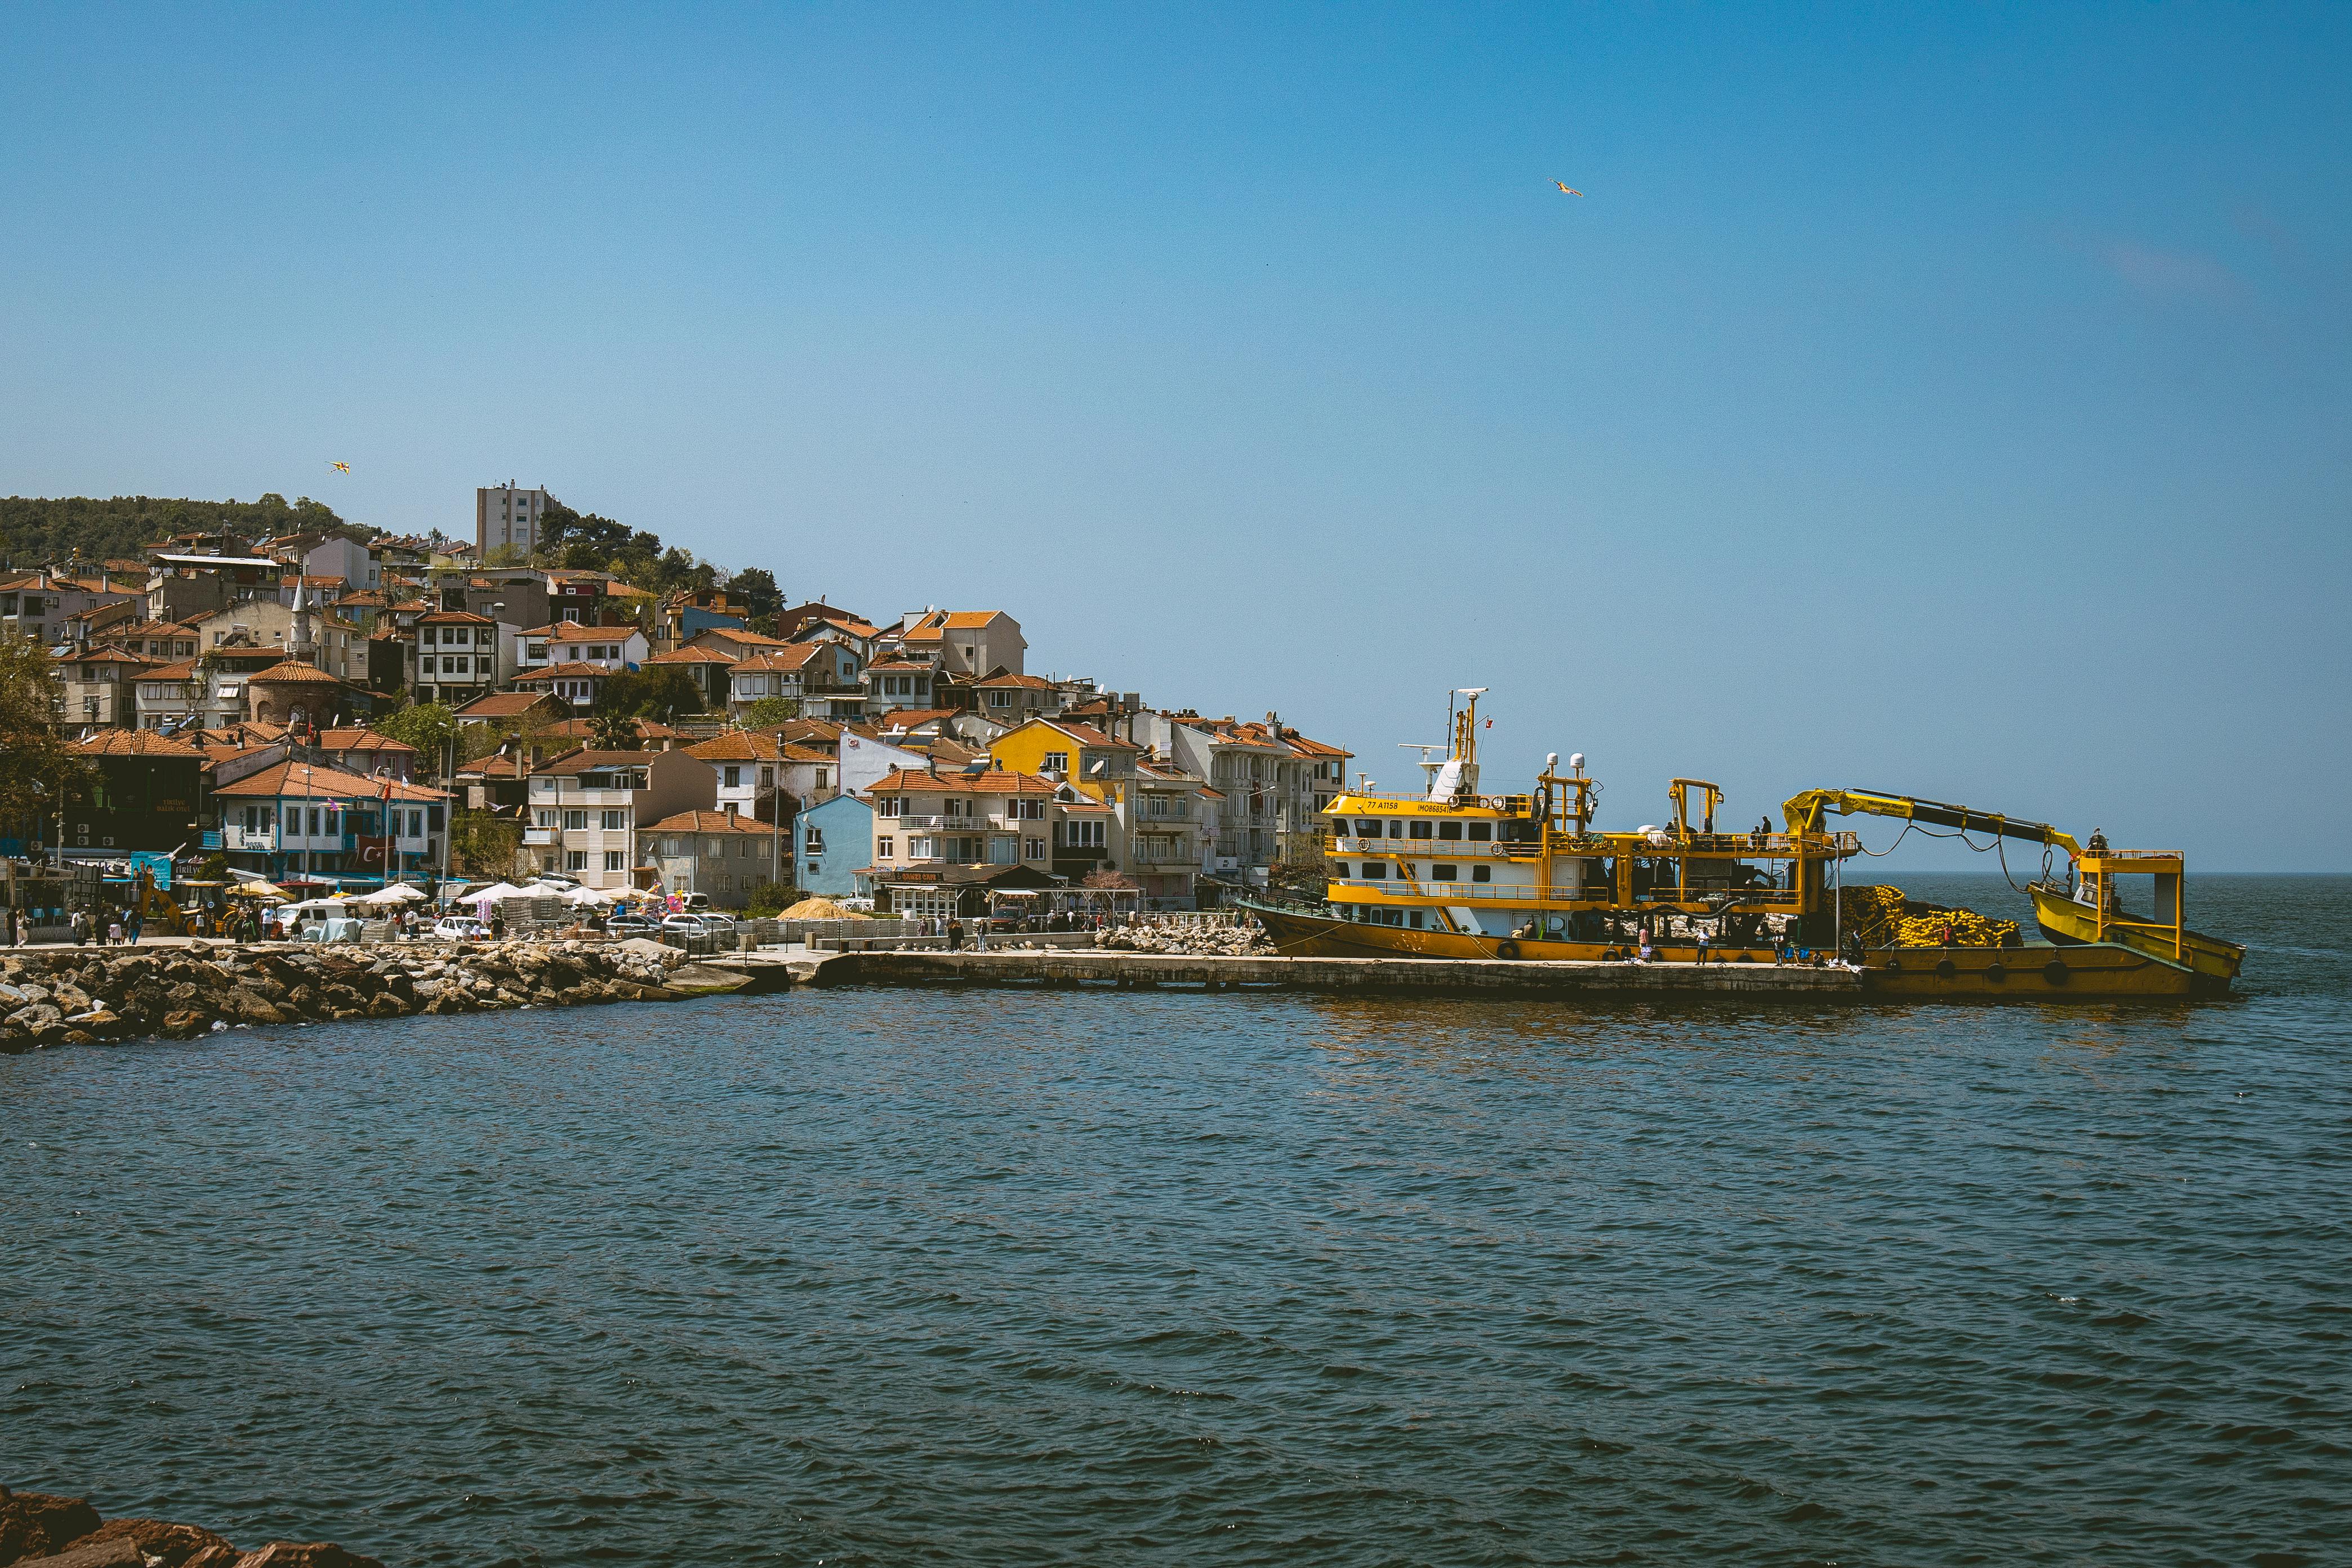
821	910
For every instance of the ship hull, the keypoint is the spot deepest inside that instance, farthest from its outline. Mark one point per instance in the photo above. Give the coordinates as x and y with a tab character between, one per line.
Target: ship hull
2078	972
2070	923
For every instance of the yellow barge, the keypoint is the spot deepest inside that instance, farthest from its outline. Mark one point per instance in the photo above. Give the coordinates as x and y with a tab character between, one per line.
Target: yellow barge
1453	873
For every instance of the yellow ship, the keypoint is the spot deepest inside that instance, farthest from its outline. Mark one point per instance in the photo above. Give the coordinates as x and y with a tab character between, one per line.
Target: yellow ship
1455	873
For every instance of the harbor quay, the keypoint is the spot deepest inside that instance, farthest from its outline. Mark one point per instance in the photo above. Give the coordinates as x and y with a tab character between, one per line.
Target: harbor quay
1217	971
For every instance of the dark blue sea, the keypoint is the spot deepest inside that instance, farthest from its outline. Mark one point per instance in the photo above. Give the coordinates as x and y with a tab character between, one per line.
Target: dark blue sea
993	1277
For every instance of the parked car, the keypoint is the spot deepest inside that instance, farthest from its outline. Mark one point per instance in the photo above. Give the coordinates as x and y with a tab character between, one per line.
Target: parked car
460	928
335	928
630	925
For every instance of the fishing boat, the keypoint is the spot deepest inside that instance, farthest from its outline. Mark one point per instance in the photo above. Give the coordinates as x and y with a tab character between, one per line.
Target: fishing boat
1455	873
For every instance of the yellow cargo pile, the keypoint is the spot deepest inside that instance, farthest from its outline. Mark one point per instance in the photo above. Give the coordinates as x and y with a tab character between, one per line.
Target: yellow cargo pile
1874	914
1969	929
1882	917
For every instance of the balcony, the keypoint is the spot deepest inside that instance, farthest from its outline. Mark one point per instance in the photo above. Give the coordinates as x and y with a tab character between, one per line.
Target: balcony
542	835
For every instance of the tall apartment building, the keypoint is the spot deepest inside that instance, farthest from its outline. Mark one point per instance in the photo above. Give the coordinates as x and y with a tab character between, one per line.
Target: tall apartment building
507	514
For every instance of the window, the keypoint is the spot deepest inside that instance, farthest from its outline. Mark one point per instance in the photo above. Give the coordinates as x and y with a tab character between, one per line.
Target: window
885	847
334	822
889	806
536	652
616	860
1396	827
546	816
821	777
815	840
922	849
314	822
734	776
431	635
1058	762
1420	830
1449	830
1369	829
1339	868
1083	835
1481	832
1443	874
1003	851
1481	873
767	778
575	822
615	819
1374	871
1025	810
481	664
575	859
1000	698
1033	849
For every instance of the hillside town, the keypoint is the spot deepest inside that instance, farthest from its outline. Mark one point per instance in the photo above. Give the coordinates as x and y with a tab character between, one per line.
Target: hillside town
342	707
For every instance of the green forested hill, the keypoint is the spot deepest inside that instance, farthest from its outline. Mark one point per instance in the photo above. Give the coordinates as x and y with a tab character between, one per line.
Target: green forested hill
37	531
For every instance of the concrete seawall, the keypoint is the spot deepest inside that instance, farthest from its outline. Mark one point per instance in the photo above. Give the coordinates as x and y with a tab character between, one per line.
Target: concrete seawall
1130	970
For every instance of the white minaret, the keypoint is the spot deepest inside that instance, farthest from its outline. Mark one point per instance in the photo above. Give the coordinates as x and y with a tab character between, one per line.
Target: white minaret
300	645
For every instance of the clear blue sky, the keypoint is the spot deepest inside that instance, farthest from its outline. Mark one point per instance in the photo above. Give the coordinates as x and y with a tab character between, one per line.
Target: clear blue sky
1952	401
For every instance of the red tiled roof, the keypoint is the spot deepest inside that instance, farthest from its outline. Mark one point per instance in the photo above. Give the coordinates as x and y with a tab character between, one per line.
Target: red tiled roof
502	704
995	781
574	670
135	743
736	746
691	655
293	671
710	822
308	782
359	737
455	619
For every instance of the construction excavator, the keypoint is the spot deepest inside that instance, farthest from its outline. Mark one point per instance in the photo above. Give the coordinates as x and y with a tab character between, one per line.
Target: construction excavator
2084	908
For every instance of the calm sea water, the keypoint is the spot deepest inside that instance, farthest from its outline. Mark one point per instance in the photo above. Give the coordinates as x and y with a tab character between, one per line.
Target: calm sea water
881	1276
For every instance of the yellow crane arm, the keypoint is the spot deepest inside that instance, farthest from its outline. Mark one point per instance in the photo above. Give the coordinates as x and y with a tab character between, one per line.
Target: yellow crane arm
1804	813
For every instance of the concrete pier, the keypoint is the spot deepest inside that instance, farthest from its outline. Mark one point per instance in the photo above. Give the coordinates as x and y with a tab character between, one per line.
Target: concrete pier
1489	976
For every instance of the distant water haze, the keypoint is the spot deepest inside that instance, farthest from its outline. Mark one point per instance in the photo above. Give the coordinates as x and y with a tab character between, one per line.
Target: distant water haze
1947	400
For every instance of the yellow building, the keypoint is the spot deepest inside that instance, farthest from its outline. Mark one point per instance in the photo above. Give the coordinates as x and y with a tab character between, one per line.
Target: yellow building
1067	752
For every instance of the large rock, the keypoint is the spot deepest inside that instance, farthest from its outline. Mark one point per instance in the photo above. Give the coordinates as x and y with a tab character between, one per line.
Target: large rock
317	1554
172	1544
116	1552
36	1524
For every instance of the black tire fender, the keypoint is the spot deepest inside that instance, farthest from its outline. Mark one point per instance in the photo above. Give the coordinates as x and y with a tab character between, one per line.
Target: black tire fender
1944	969
1507	949
2054	971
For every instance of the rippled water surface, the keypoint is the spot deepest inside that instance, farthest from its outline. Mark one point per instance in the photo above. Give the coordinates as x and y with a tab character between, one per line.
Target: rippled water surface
1000	1277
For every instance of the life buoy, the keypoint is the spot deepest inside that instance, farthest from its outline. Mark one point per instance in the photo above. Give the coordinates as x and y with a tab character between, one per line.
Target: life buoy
1507	949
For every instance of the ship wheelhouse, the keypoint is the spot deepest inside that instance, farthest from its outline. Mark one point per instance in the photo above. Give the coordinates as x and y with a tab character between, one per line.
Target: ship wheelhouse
1522	870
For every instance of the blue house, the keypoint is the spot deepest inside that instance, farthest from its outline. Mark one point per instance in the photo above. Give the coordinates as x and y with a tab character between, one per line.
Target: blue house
829	842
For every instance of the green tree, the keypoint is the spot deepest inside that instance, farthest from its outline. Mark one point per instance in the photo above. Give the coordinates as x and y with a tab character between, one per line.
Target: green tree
770	712
430	727
614	732
481	844
37	769
663	693
756	588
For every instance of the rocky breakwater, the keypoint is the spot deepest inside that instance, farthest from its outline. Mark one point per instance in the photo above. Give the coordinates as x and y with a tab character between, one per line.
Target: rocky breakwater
62	996
1191	942
39	1530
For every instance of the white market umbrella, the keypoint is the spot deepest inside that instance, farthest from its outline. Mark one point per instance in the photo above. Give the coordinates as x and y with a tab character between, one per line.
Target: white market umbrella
586	896
398	893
